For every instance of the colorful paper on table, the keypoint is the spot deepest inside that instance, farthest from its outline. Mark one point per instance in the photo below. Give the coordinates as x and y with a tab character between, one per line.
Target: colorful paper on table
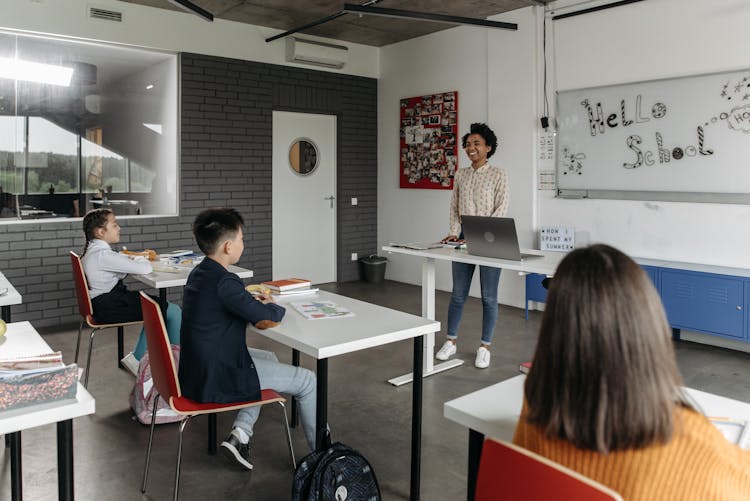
319	310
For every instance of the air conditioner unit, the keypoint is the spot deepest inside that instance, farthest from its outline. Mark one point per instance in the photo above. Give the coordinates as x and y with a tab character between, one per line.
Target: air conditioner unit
300	50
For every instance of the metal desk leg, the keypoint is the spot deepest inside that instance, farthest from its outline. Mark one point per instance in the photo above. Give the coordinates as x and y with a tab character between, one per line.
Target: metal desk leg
163	298
212	434
16	478
295	408
321	404
5	313
65	481
416	420
476	441
120	346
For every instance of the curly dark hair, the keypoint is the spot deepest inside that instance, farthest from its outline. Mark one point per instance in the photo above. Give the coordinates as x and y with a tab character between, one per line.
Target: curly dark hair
487	134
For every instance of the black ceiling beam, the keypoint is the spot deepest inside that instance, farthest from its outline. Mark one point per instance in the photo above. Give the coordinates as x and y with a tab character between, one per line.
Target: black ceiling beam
594	9
193	9
424	16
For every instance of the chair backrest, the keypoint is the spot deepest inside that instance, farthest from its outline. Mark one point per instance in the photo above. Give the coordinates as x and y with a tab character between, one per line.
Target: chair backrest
82	287
507	471
163	368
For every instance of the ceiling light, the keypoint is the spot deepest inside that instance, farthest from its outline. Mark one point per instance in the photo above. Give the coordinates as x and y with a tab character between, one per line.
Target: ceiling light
17	69
149	86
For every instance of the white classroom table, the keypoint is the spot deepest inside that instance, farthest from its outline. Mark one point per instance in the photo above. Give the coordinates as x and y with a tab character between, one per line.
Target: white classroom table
22	339
494	412
545	264
11	297
371	326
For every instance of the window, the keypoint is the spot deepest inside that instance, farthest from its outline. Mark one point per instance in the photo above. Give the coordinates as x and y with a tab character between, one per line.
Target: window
86	125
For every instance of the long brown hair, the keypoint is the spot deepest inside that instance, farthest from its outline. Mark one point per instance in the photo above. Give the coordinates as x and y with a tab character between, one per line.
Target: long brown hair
604	375
96	218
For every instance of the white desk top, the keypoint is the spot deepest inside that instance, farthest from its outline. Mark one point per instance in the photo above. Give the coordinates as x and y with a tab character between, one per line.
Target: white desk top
22	338
164	279
12	296
545	264
370	326
494	410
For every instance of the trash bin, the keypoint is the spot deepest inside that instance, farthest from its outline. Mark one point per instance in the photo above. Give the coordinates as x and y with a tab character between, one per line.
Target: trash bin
372	268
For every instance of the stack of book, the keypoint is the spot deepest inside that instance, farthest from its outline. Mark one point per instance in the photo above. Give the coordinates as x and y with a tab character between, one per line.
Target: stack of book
290	286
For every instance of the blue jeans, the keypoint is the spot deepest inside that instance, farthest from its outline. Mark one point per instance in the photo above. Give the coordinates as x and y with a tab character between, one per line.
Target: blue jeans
173	321
489	279
284	378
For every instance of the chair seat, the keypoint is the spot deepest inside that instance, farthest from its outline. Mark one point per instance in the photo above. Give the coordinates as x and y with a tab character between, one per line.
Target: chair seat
184	405
98	325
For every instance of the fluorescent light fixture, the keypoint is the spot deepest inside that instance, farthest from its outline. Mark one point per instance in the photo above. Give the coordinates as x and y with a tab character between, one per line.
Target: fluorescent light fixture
149	86
17	69
154	127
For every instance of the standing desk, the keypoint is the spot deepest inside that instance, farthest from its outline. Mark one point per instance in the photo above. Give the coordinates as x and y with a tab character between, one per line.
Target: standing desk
545	264
370	326
9	298
22	339
494	411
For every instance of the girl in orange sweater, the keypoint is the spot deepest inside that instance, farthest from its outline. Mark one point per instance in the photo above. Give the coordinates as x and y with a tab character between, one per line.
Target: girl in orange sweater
603	396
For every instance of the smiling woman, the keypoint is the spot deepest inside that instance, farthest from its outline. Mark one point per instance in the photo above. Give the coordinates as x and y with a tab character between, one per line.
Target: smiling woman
86	125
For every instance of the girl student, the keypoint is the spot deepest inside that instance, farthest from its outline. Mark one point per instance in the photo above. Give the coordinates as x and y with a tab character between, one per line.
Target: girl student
105	269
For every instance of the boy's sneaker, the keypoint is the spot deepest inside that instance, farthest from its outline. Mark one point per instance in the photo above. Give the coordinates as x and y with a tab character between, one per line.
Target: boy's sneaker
130	363
236	451
483	358
447	351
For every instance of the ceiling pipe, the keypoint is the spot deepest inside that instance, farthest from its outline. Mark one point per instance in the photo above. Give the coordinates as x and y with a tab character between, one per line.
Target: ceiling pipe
193	9
424	16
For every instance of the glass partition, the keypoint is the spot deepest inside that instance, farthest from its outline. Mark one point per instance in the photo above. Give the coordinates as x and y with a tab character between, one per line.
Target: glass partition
86	125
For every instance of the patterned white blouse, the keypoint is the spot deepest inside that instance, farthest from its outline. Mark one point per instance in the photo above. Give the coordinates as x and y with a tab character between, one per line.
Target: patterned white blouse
478	192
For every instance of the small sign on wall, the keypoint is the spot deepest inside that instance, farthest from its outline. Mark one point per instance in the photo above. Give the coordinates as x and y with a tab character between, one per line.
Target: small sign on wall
555	238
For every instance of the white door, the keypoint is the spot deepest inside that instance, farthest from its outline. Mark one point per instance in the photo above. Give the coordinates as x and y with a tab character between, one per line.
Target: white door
304	204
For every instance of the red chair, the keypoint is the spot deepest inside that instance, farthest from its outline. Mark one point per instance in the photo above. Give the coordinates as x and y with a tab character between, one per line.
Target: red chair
164	374
87	316
507	471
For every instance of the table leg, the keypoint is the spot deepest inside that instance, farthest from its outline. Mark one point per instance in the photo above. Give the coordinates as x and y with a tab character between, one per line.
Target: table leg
212	434
5	313
476	441
16	478
416	419
120	346
163	298
65	481
321	404
428	311
295	409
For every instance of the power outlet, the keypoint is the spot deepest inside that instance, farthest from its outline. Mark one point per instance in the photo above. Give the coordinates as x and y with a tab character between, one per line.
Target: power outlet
354	256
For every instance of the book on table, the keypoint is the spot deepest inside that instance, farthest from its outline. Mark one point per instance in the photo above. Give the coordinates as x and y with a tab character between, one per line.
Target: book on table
287	284
524	367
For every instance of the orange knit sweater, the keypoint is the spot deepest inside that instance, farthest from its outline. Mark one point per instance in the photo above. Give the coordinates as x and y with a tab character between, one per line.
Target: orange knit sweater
698	464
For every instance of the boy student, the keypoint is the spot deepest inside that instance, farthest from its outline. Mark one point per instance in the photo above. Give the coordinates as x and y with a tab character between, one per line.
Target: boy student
215	363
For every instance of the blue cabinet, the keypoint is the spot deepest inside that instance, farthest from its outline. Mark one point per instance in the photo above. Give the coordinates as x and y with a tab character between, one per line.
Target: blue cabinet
653	274
704	302
535	291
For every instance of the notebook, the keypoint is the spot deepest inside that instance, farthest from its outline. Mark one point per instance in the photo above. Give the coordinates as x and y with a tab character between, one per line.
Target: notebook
494	237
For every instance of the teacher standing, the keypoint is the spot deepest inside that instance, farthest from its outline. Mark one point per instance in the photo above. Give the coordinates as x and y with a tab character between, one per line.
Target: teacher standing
479	190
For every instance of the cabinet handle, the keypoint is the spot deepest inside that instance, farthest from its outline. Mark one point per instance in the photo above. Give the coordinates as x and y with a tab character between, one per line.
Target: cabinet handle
739	308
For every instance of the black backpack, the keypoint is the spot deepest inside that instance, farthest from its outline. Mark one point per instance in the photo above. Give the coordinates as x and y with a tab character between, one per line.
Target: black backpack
336	473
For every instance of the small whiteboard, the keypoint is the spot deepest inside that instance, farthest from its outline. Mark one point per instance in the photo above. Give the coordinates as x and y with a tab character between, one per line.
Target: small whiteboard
679	135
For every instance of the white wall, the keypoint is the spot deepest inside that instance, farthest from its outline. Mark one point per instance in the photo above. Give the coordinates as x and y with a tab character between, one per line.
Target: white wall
167	30
644	41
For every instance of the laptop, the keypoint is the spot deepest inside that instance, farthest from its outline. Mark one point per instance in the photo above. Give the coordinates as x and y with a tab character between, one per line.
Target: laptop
494	237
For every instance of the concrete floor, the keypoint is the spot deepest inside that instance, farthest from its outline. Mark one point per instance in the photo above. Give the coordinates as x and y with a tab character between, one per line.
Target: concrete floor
365	412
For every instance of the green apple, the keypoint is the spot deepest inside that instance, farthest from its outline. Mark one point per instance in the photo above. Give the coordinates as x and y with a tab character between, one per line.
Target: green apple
3	328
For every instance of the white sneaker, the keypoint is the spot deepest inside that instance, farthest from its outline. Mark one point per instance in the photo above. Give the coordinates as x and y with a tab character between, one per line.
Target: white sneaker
447	351
130	363
483	358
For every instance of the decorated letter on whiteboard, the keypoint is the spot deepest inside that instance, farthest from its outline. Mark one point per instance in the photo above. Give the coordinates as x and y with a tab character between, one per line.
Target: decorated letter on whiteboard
552	238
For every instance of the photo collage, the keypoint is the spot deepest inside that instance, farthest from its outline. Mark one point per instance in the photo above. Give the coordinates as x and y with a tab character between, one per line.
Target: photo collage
428	139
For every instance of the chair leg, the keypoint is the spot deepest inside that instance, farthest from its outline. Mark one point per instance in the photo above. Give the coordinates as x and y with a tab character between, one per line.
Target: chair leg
88	359
150	441
183	424
288	436
78	343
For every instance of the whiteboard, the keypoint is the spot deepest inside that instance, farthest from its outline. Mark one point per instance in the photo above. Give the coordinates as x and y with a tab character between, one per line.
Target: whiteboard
678	135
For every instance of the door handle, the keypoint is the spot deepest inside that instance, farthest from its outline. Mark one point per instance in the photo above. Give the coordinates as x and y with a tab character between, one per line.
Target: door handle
331	199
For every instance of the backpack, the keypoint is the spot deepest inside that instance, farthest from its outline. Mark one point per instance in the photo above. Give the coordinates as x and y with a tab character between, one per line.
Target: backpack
142	396
336	473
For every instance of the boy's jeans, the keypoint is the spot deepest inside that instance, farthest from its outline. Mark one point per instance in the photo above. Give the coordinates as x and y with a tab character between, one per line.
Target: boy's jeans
296	381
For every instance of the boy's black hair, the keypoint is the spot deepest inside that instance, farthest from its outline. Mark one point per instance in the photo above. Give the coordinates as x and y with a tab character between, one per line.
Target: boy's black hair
483	130
214	226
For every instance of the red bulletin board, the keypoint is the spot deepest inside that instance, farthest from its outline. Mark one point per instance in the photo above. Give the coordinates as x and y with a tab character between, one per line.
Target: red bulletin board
429	141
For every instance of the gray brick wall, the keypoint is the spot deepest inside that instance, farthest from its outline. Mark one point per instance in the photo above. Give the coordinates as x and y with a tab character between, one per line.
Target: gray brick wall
226	161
